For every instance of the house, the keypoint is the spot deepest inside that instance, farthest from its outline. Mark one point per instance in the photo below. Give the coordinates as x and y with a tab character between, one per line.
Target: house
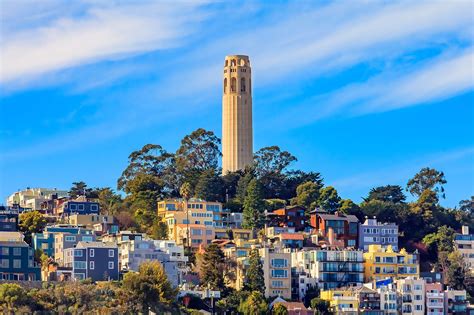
32	198
199	235
45	241
294	308
434	297
290	216
383	263
8	219
176	254
455	301
366	299
122	236
17	259
95	260
341	302
133	253
65	240
464	243
276	272
80	205
235	234
343	227
291	240
218	216
373	232
334	268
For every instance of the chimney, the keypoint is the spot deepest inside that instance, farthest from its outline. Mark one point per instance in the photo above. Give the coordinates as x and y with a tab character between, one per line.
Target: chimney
331	236
465	230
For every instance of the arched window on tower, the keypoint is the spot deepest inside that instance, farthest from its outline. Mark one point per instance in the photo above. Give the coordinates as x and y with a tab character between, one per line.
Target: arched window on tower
226	63
233	63
242	85
233	85
225	85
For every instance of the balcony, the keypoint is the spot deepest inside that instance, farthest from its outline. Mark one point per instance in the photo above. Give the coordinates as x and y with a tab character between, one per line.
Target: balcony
407	299
434	295
435	305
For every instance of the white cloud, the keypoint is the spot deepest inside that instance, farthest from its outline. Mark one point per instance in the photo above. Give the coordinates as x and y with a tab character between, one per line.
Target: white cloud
101	33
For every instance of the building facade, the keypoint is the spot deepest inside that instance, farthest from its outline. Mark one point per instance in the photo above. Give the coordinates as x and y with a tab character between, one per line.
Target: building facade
17	259
412	292
276	272
8	219
32	198
377	233
237	130
434	297
78	206
45	240
95	260
291	217
464	243
65	240
380	263
340	227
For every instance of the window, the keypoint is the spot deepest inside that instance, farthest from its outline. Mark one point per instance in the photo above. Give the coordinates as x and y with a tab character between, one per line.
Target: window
91	265
377	259
242	85
5	263
208	232
16	251
16	263
196	232
70	238
279	262
87	238
5	251
72	207
80	265
77	253
277	273
277	283
351	242
111	253
233	85
225	85
111	265
94	208
91	252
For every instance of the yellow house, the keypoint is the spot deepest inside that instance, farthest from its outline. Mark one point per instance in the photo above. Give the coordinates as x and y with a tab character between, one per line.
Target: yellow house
341	301
194	216
193	205
380	263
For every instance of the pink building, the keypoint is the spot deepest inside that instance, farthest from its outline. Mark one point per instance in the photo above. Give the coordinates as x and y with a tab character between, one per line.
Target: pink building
434	298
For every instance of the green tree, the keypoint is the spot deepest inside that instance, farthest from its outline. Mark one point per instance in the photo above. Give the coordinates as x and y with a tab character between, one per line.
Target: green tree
467	205
150	288
12	297
329	199
209	186
457	271
254	279
212	268
388	193
243	184
109	201
230	304
321	306
254	206
347	206
307	194
279	309
31	222
255	304
81	189
427	179
160	230
440	241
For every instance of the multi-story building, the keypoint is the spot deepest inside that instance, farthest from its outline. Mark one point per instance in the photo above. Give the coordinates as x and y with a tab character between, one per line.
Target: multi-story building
95	260
32	198
194	210
8	219
389	298
65	240
17	258
383	263
290	240
122	236
301	283
274	231
175	252
464	243
195	216
276	272
368	300
455	302
234	220
134	253
234	234
332	268
344	227
434	298
99	223
291	217
45	240
80	205
377	233
412	292
199	235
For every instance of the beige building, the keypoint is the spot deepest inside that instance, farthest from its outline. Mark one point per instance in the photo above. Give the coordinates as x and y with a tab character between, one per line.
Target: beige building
277	272
464	243
412	291
32	198
237	133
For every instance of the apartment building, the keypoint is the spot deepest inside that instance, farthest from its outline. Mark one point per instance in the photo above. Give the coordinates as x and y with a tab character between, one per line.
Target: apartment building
341	302
332	268
45	240
383	263
343	228
367	300
434	297
455	301
95	260
65	240
17	259
80	205
218	216
412	292
32	198
277	272
199	235
464	243
372	232
8	219
133	253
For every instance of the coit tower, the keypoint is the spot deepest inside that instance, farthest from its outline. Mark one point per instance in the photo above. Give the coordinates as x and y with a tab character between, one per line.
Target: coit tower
237	133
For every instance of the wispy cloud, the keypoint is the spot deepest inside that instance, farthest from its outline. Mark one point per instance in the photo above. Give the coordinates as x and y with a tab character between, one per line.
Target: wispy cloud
100	33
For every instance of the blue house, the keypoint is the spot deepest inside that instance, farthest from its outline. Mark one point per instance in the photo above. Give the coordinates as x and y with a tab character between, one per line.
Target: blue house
95	260
45	240
79	207
17	258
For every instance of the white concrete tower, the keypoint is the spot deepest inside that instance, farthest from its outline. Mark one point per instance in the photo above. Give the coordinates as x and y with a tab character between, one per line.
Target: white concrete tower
237	132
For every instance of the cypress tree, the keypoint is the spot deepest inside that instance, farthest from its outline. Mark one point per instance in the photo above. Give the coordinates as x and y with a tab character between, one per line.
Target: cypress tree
254	279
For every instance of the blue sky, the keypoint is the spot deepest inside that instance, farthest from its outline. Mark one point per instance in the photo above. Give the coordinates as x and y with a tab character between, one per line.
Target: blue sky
365	92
